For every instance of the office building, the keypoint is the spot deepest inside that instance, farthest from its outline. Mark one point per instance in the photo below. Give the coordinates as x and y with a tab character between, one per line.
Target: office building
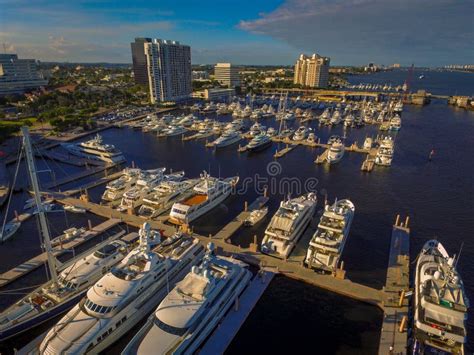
140	71
312	71
215	94
227	75
19	75
168	70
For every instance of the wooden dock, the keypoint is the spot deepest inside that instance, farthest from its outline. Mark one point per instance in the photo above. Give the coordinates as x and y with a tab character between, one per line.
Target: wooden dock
393	339
234	225
282	152
37	261
320	159
369	162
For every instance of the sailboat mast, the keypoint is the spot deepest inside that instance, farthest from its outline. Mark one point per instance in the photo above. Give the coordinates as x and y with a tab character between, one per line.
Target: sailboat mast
39	205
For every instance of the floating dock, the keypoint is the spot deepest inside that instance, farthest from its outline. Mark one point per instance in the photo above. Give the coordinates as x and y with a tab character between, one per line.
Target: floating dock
37	261
393	338
320	159
221	338
282	152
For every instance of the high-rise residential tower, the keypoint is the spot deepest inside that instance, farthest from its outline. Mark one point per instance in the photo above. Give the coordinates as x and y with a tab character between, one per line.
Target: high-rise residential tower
140	71
312	71
168	69
19	75
227	75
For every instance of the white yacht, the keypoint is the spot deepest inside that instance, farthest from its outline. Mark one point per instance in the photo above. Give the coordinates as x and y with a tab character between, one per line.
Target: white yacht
68	235
398	107
208	194
368	142
193	309
228	138
336	152
173	131
256	129
53	299
336	118
349	120
441	304
163	196
256	216
95	149
124	296
385	153
116	188
288	224
327	243
258	143
395	123
300	134
325	116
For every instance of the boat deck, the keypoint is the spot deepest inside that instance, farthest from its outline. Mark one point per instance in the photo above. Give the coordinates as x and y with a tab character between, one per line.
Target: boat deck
195	200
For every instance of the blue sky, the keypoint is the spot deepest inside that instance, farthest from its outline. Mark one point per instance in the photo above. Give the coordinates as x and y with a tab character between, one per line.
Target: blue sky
425	32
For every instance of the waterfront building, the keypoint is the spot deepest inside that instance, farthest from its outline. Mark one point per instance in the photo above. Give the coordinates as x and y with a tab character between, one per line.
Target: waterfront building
312	71
215	94
227	75
19	75
140	71
168	70
200	75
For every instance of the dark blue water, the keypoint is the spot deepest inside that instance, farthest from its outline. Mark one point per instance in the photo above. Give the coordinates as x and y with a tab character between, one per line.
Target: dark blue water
437	196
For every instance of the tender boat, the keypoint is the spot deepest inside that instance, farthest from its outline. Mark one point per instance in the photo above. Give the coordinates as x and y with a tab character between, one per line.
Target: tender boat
74	209
68	235
255	216
208	194
193	309
8	230
440	305
327	243
123	296
95	149
288	224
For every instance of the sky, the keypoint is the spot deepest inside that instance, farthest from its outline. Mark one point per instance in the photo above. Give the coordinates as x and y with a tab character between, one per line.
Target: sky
350	32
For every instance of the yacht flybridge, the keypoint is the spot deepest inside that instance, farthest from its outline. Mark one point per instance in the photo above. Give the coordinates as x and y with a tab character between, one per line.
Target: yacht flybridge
95	149
327	243
441	303
193	309
125	295
288	224
208	194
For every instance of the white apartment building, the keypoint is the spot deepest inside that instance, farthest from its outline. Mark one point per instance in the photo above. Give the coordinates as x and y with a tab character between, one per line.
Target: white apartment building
312	71
169	70
227	75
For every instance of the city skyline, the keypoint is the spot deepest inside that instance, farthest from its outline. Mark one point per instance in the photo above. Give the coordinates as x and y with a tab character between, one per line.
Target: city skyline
427	33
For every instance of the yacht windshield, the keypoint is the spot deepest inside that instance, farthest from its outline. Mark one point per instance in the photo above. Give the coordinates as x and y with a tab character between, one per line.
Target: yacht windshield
105	251
170	329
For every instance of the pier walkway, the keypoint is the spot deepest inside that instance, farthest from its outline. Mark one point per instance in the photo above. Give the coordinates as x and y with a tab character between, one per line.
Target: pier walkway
393	339
37	261
237	222
235	318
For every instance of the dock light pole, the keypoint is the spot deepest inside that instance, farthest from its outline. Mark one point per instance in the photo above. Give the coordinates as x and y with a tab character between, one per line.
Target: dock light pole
39	205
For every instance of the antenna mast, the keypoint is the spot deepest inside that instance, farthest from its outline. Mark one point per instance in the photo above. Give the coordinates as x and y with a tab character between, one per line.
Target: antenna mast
39	205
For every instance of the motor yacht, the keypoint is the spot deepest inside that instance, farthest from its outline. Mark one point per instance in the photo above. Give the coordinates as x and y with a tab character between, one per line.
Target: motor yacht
327	243
288	224
95	149
336	152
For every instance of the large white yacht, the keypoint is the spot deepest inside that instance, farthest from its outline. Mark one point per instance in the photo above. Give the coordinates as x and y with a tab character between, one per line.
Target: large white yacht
208	193
133	198
163	196
441	303
229	137
301	133
385	153
193	309
123	296
395	123
287	225
115	189
259	143
336	152
327	243
53	299
96	150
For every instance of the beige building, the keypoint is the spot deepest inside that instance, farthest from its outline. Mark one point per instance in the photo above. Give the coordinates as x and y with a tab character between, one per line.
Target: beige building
215	94
312	71
227	75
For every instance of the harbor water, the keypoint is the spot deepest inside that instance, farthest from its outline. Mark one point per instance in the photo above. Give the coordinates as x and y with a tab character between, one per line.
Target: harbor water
436	194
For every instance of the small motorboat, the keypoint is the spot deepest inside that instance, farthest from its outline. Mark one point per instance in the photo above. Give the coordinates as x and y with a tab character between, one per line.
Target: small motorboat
9	230
74	209
255	216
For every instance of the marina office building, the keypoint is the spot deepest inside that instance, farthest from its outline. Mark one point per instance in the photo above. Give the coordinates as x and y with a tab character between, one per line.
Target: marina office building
227	75
312	71
168	68
19	75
